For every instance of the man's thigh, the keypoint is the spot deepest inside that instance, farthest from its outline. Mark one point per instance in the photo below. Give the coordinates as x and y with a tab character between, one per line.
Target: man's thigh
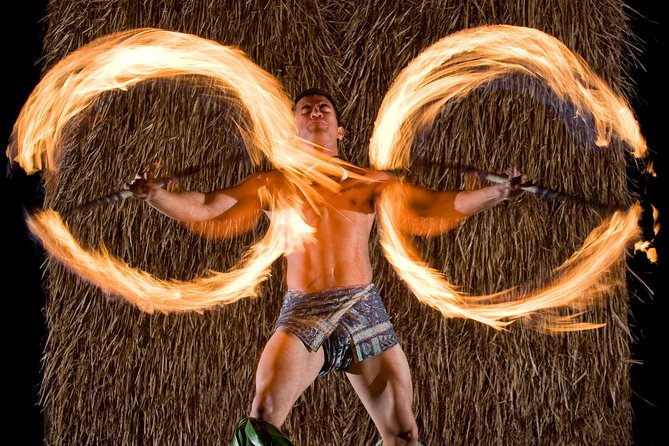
287	367
383	384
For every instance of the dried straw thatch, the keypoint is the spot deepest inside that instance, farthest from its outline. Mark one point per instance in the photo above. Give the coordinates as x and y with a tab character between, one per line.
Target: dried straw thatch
114	375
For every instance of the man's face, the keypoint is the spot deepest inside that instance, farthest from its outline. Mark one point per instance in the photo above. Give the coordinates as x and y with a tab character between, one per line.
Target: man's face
316	121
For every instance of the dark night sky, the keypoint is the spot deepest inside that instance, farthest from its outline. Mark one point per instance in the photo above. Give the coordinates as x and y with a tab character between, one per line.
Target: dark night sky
22	300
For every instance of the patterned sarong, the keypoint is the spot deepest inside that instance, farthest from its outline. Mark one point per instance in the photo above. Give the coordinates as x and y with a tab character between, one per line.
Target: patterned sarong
350	324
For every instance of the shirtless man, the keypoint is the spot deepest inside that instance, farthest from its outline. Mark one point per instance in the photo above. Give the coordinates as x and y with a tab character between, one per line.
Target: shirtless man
332	317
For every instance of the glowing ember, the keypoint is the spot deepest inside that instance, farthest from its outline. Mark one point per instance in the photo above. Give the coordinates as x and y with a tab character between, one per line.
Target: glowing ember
647	248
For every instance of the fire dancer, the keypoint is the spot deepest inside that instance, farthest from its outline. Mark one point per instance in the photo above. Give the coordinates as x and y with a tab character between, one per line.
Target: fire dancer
332	317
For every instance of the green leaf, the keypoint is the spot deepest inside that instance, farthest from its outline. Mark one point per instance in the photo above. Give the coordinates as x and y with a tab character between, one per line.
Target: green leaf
239	437
256	432
277	436
281	441
252	435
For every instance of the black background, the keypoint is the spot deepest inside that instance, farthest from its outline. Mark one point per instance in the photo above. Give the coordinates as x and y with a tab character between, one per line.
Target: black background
22	298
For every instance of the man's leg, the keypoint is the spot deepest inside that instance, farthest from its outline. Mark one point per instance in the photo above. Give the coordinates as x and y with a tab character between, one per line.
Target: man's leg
383	384
285	370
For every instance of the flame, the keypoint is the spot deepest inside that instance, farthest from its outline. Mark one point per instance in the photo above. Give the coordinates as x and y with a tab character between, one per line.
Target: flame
449	69
647	248
287	232
463	61
582	277
452	68
121	60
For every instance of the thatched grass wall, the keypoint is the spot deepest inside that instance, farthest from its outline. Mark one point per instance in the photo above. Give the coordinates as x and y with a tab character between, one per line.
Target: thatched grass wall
114	375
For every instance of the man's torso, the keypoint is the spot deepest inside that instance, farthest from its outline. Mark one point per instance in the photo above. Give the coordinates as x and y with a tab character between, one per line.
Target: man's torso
339	254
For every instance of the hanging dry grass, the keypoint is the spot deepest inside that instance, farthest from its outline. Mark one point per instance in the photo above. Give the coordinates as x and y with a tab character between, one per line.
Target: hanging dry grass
114	375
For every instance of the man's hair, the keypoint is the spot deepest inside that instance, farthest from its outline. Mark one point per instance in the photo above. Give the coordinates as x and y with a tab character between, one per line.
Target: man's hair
318	91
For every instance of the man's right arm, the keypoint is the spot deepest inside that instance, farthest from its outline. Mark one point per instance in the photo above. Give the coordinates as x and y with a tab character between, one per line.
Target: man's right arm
192	206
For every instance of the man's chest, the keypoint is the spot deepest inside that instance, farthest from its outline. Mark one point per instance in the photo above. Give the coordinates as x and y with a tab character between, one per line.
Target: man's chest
353	197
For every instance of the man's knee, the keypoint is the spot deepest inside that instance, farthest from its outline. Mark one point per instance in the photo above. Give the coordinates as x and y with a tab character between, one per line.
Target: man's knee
406	434
409	436
264	405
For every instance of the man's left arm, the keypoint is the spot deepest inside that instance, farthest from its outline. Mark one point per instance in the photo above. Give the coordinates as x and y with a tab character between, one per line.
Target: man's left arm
427	212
